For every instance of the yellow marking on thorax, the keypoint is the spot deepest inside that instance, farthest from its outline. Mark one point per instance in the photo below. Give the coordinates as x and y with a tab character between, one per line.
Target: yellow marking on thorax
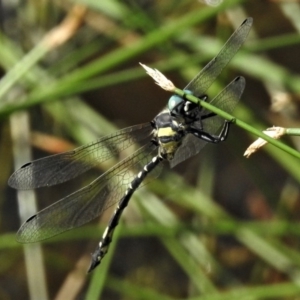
167	131
168	148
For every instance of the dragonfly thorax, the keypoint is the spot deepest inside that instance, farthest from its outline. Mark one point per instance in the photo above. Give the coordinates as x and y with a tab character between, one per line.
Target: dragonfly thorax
168	133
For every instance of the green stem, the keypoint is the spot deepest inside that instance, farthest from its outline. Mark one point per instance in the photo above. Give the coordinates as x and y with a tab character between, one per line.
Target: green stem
292	131
238	122
23	66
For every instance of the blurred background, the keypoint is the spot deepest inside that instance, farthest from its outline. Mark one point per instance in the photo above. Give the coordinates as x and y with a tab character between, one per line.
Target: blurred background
217	226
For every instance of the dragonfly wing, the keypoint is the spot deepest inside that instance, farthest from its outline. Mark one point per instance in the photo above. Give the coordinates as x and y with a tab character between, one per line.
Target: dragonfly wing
212	70
190	146
87	203
225	100
62	167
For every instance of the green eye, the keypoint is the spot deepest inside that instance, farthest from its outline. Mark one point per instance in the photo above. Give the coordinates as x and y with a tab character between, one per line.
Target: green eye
188	92
174	101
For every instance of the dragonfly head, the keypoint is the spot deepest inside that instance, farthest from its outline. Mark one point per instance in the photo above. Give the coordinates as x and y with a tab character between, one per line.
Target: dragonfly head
179	106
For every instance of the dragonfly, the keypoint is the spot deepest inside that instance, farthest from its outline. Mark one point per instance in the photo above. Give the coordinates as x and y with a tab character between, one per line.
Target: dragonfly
178	132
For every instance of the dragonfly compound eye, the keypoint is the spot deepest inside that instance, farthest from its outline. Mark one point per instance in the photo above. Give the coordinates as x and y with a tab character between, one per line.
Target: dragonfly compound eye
175	105
179	106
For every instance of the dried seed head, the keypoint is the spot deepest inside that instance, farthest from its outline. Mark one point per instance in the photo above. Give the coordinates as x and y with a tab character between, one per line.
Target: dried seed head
159	78
274	132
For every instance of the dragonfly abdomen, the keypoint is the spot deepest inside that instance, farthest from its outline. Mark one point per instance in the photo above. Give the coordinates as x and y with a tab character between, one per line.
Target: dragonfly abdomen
114	221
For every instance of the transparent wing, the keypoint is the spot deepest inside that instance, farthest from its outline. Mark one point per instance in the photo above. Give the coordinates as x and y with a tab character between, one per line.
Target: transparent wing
87	203
226	100
212	70
62	167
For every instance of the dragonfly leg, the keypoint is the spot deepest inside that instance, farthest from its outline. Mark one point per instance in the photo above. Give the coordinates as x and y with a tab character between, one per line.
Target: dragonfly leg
210	137
208	116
